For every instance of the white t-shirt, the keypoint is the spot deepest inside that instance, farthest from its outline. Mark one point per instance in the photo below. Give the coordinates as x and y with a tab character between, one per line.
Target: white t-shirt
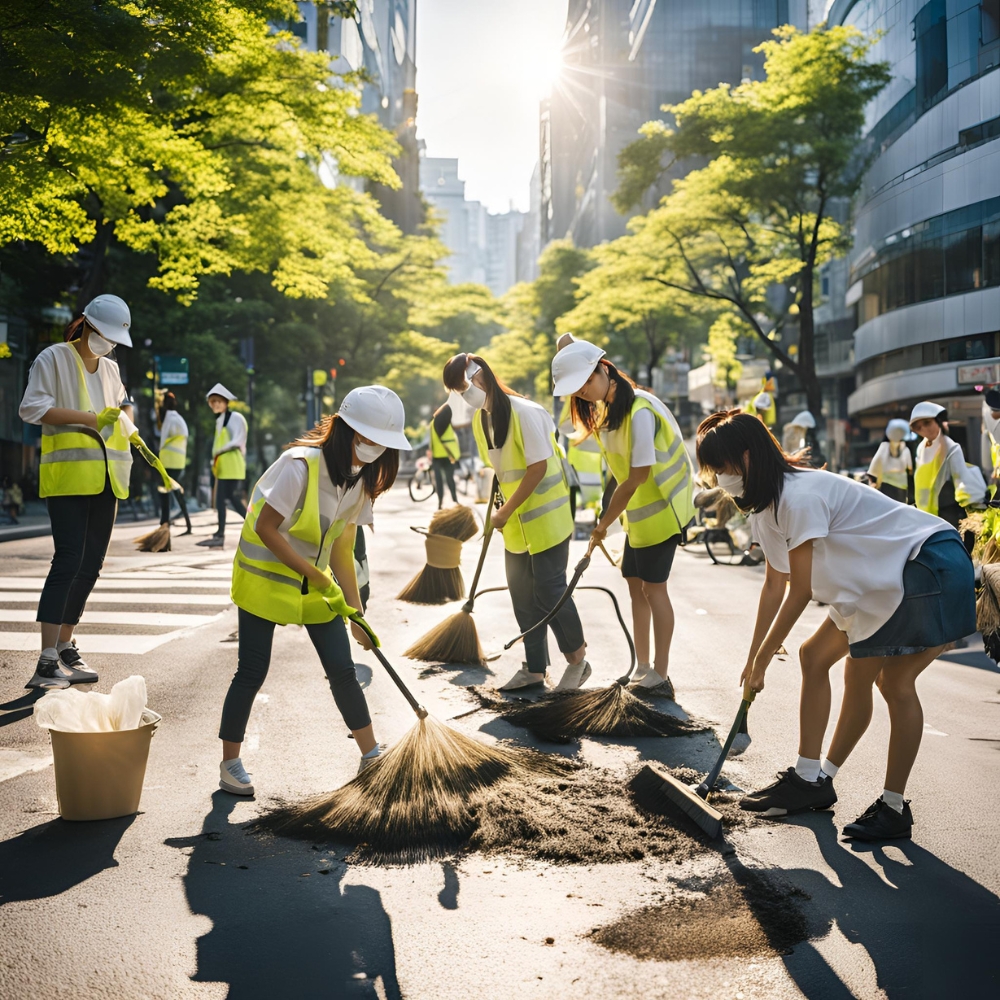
174	425
861	539
537	428
237	428
992	426
953	465
643	432
54	381
891	468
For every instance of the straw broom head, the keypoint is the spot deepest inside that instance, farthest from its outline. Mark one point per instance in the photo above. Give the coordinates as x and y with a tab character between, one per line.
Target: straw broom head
441	578
455	522
157	540
455	640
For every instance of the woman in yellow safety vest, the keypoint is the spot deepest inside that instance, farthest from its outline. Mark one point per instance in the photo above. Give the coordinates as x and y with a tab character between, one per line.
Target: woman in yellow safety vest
644	450
75	392
445	451
173	454
229	462
295	561
942	483
516	438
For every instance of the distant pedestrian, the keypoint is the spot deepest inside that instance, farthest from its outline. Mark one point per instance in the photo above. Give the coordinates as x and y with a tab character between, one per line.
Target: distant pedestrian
75	392
892	465
445	451
173	454
899	585
991	423
229	463
13	499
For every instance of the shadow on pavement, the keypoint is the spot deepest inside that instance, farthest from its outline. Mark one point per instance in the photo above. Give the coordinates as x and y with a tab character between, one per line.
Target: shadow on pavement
52	858
284	925
929	929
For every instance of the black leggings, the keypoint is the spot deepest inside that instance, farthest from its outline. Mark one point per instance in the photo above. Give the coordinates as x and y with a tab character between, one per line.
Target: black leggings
165	506
81	531
334	648
227	490
444	471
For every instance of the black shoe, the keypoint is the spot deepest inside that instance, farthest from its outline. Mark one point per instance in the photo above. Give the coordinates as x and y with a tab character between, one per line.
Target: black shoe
214	542
187	532
48	674
881	822
791	794
77	670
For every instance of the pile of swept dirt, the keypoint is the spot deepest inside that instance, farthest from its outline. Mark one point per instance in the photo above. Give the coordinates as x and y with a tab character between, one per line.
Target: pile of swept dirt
744	914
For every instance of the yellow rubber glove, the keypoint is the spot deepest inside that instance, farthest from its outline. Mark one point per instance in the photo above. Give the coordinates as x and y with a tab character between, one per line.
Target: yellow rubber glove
334	598
365	627
108	416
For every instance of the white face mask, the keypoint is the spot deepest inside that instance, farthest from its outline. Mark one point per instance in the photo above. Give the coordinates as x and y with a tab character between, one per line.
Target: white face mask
733	485
368	453
475	397
99	346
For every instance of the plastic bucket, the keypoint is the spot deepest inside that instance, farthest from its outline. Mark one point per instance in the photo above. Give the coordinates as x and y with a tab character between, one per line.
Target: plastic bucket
99	775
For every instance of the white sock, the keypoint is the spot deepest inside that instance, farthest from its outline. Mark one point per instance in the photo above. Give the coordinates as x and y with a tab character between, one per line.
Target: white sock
372	753
652	680
641	669
829	768
60	645
893	799
807	768
50	653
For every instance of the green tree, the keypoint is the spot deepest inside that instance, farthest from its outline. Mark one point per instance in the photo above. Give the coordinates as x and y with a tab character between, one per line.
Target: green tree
752	227
723	337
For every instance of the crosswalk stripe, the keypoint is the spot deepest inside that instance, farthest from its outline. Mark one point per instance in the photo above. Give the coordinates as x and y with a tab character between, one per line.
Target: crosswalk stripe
111	583
157	618
134	597
21	642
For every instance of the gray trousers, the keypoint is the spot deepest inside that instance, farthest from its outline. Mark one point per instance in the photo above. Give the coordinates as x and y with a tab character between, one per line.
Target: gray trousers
536	582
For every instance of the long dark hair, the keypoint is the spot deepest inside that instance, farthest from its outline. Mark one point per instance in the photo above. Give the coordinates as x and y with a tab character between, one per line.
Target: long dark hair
496	393
335	438
168	402
586	414
732	439
74	331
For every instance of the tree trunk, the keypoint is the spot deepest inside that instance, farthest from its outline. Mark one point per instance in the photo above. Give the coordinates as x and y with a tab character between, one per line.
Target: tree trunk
322	27
807	345
92	282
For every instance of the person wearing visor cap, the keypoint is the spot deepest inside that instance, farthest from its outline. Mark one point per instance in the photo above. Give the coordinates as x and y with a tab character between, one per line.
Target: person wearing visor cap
75	392
892	465
516	438
991	424
229	463
295	561
644	449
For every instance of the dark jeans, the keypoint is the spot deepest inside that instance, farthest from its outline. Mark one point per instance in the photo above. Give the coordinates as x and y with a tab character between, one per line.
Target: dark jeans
536	582
81	531
226	490
165	506
444	471
333	645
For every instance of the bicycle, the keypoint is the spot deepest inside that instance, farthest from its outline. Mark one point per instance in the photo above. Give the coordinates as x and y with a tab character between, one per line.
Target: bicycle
421	484
729	543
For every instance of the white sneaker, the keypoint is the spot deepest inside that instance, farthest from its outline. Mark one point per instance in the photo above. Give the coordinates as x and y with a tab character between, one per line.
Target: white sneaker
524	678
653	683
368	759
575	676
641	671
234	778
48	674
74	667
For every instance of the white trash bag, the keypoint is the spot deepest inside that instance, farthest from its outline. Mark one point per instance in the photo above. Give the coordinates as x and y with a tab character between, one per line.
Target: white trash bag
74	711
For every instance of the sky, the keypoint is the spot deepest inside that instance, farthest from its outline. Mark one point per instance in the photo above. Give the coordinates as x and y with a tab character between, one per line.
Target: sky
482	68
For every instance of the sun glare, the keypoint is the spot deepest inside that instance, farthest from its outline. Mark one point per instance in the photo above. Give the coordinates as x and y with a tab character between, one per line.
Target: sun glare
539	68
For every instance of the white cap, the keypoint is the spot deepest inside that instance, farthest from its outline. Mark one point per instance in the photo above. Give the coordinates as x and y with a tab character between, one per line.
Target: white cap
219	390
897	430
573	365
376	413
805	419
762	401
110	317
926	410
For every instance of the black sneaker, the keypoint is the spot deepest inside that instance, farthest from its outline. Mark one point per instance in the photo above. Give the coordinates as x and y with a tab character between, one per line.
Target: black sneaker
74	666
881	822
48	675
214	542
791	794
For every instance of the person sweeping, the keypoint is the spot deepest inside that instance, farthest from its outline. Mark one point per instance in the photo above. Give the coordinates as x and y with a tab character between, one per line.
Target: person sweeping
229	463
75	392
516	438
899	585
296	557
892	464
173	455
445	451
643	447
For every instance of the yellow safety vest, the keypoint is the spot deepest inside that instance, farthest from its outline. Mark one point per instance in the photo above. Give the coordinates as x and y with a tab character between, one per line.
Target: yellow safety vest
663	504
446	446
929	478
229	464
994	452
262	583
173	451
544	519
77	460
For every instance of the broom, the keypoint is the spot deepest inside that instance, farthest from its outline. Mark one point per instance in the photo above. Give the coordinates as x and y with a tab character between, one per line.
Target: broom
455	640
441	578
414	797
157	540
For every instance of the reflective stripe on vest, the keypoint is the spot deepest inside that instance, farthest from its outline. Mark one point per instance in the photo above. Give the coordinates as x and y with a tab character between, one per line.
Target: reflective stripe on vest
662	505
173	451
544	519
446	446
228	464
76	460
262	583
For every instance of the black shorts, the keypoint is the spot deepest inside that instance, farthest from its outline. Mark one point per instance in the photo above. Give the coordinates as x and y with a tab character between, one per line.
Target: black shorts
652	563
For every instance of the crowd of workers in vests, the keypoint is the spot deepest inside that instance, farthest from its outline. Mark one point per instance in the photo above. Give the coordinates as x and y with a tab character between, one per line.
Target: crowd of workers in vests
896	579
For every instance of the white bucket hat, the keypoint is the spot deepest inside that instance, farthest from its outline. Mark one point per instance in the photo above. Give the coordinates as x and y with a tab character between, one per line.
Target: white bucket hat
805	419
897	430
220	390
376	413
573	365
926	411
110	317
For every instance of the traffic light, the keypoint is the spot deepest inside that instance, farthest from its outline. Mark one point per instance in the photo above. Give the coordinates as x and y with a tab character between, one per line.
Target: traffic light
320	377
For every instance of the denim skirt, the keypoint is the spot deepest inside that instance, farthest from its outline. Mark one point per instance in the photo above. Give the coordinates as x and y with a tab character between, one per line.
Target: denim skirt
938	606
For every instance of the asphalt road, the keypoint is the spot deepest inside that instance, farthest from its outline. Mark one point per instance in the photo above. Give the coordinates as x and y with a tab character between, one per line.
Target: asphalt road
181	901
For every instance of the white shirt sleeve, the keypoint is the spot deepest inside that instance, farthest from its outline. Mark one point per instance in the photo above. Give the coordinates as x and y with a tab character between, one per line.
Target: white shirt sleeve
536	430
287	492
366	515
960	475
643	433
237	427
41	392
876	467
804	517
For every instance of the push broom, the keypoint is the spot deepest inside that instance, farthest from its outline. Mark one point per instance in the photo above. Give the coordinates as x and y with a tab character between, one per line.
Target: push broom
656	787
456	640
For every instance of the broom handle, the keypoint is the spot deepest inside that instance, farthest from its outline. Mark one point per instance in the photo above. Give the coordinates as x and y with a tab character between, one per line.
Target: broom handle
713	776
421	712
487	534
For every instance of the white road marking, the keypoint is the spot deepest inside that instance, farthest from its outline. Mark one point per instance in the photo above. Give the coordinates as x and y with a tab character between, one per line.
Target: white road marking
160	619
117	582
135	597
15	762
20	642
929	730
